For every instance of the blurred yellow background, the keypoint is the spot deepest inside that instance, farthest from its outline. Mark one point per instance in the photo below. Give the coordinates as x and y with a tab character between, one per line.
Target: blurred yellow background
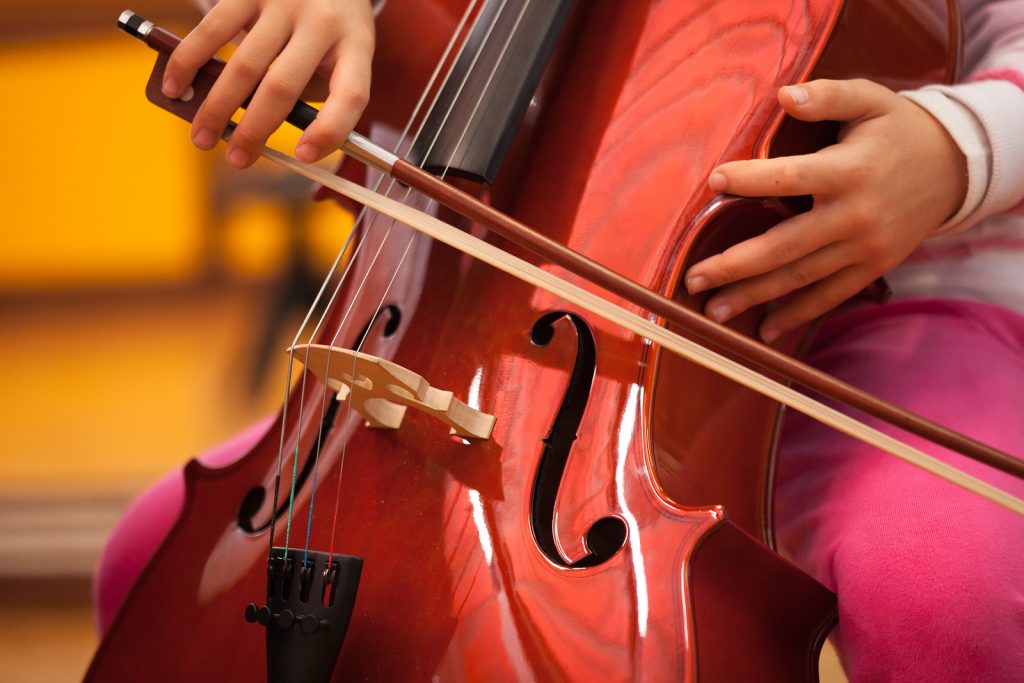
147	291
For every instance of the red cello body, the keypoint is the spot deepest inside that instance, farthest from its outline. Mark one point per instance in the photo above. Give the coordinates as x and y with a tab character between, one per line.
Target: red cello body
617	524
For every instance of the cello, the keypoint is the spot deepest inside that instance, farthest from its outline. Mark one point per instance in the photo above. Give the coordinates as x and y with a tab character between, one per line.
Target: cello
616	523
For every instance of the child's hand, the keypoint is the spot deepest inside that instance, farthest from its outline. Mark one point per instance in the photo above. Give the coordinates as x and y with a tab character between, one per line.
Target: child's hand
288	42
893	178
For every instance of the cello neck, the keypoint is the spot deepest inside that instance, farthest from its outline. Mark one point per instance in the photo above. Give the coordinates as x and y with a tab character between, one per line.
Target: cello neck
468	130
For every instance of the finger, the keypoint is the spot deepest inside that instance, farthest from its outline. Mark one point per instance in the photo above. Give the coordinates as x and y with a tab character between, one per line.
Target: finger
741	296
349	94
817	300
274	98
784	243
242	74
779	177
829	100
216	30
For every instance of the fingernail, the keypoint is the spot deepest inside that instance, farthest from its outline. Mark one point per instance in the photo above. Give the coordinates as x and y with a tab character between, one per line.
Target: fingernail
238	158
717	181
204	139
170	87
720	312
799	94
769	334
307	152
697	284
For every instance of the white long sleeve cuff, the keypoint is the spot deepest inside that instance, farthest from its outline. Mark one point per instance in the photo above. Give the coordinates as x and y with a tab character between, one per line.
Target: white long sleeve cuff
984	119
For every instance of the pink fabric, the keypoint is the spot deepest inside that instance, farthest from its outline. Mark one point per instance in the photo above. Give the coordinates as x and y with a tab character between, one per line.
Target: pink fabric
930	578
939	251
145	524
1011	75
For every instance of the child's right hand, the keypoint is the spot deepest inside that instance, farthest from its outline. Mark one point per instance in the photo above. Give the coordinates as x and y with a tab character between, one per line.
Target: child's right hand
287	44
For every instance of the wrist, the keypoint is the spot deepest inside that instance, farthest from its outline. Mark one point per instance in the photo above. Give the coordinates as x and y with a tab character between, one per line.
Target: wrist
993	110
969	137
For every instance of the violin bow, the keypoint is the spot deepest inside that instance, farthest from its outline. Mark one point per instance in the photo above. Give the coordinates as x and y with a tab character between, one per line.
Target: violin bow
686	319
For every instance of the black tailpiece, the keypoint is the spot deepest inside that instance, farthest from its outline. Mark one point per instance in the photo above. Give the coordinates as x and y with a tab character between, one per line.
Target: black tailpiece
309	604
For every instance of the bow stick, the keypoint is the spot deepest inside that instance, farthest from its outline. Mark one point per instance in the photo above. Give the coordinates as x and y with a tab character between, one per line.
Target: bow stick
367	152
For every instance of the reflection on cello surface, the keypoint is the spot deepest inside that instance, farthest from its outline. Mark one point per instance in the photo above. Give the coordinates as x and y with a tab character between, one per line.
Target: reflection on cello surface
597	503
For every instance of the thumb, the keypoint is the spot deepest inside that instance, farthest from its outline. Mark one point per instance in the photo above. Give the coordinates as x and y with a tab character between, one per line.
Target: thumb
828	100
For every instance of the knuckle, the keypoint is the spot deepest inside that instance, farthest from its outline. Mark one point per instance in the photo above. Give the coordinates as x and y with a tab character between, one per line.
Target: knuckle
280	88
330	15
780	250
247	68
210	28
874	95
318	29
356	98
320	135
855	170
800	276
875	249
205	118
863	84
740	300
728	270
859	218
178	63
825	90
213	113
344	105
245	138
363	39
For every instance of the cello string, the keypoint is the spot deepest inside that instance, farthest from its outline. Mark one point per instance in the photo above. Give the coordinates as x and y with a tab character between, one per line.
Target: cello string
354	299
327	309
430	202
356	224
502	53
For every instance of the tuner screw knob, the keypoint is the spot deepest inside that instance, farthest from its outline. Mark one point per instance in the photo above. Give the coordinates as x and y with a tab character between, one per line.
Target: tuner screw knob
309	623
286	619
251	610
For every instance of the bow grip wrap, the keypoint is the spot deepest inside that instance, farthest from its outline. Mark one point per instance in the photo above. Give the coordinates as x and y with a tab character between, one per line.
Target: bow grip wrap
164	42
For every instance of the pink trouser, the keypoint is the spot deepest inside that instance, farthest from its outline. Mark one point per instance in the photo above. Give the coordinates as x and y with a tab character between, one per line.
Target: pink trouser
929	577
146	522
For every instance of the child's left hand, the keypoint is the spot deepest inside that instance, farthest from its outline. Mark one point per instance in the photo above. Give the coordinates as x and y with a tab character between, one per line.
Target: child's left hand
893	178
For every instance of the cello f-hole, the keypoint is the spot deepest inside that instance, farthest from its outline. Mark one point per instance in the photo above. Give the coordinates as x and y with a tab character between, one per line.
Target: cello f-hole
608	534
253	500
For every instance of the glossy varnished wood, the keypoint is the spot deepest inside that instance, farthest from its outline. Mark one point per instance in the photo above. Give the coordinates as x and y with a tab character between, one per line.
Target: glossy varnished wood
647	97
